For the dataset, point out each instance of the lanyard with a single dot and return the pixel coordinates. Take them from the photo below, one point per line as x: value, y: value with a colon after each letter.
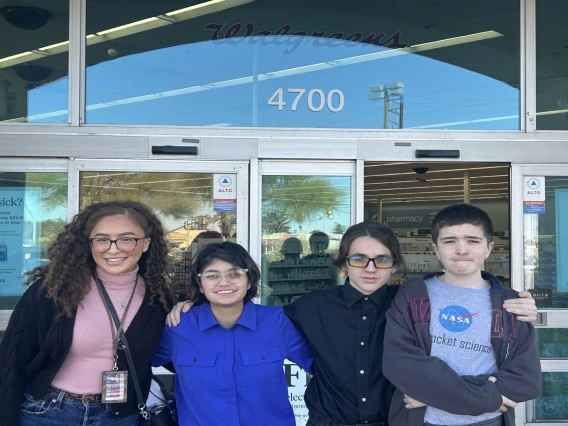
x: 115, y: 334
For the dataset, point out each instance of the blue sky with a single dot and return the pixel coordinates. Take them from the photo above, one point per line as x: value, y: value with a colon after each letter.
x: 436, y: 93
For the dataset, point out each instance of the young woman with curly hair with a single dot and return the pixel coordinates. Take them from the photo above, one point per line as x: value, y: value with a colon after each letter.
x: 60, y: 338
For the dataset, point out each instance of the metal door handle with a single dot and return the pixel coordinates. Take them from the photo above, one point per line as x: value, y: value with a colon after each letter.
x: 541, y: 319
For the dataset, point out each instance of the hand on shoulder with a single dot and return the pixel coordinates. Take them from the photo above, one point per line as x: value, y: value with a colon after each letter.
x: 174, y: 317
x: 524, y: 306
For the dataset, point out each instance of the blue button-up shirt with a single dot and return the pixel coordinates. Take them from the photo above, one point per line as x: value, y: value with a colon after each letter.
x: 233, y: 377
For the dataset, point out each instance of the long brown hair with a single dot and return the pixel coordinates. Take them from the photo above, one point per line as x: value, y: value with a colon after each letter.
x: 66, y: 278
x: 379, y: 232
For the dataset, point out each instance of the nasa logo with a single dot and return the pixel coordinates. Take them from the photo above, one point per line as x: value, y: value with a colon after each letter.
x: 456, y: 318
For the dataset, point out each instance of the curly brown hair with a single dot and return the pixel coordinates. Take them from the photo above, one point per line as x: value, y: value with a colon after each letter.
x: 66, y: 278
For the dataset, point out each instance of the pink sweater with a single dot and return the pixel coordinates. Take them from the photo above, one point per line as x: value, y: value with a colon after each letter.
x: 92, y: 349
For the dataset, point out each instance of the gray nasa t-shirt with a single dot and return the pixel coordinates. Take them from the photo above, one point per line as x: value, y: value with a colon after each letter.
x: 461, y: 336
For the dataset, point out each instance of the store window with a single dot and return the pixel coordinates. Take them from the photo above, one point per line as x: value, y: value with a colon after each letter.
x: 303, y: 221
x: 545, y: 242
x: 33, y: 211
x: 552, y: 343
x: 34, y: 61
x: 551, y: 63
x: 407, y: 196
x: 184, y: 203
x: 242, y: 63
x: 552, y: 404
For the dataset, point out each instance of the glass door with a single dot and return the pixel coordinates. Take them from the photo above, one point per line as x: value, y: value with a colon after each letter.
x: 33, y: 210
x: 540, y: 212
x: 304, y: 210
x: 197, y: 202
x: 299, y: 213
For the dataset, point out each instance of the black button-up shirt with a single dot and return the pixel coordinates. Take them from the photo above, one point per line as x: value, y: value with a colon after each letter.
x: 345, y: 331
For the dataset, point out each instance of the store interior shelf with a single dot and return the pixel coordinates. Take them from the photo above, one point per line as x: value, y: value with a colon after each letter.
x: 272, y: 280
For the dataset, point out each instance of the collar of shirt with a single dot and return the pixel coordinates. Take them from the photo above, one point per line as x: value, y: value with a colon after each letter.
x: 352, y: 295
x: 247, y: 318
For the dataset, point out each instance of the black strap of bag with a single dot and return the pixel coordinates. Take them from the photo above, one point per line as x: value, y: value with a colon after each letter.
x: 166, y: 417
x: 168, y: 396
x: 123, y: 344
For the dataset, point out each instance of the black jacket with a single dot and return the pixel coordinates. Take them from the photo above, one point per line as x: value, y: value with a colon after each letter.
x: 407, y: 364
x: 36, y: 343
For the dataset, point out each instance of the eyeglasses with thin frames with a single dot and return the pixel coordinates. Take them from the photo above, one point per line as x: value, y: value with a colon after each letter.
x: 234, y: 276
x: 380, y: 262
x: 124, y: 244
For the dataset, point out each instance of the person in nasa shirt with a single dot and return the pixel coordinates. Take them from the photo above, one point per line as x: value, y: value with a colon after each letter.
x: 455, y: 356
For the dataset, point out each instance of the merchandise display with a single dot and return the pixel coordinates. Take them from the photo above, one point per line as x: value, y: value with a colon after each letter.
x: 421, y: 259
x: 291, y: 277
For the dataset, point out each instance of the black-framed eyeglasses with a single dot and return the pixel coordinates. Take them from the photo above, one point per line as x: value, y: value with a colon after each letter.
x: 381, y: 262
x: 124, y: 244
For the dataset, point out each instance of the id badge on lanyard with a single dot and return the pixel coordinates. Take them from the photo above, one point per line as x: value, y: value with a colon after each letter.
x: 115, y: 386
x: 115, y: 382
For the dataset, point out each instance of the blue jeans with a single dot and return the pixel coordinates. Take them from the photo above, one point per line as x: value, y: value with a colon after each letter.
x: 53, y: 409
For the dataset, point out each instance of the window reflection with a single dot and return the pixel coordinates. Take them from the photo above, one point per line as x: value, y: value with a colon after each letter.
x: 184, y: 202
x: 551, y: 57
x: 552, y: 342
x: 552, y: 404
x: 251, y: 63
x: 33, y: 61
x: 303, y: 221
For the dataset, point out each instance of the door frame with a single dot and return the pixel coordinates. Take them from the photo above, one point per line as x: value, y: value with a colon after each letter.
x: 555, y: 318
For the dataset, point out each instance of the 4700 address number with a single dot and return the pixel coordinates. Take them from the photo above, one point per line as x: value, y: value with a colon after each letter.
x: 316, y: 98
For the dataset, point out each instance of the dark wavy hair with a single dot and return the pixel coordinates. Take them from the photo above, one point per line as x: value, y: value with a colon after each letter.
x: 66, y: 277
x: 379, y: 232
x: 232, y: 253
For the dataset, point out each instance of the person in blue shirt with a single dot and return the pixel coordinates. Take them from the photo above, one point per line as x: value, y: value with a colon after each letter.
x: 229, y: 352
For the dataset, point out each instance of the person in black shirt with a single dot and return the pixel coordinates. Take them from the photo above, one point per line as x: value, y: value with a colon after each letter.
x: 345, y: 326
x: 345, y: 329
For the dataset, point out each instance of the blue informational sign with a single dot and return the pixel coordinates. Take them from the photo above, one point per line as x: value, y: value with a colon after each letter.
x: 561, y: 239
x: 534, y: 207
x: 225, y: 207
x: 12, y: 205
